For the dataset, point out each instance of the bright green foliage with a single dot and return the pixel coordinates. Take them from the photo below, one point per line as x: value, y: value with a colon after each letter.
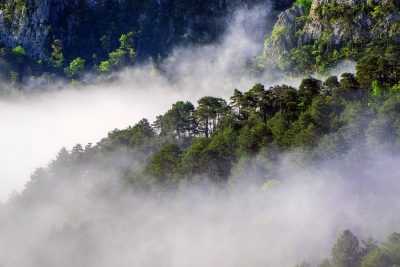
x: 299, y: 50
x: 306, y: 4
x: 124, y: 55
x: 19, y: 51
x: 76, y: 67
x: 105, y: 66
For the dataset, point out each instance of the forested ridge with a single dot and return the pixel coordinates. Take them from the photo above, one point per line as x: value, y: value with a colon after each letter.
x: 325, y: 118
x: 217, y: 140
x: 237, y: 142
x: 349, y: 251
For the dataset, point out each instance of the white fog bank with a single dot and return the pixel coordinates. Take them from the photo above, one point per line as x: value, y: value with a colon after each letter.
x: 35, y: 126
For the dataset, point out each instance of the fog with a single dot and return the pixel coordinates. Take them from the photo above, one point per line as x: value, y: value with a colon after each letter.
x: 40, y: 120
x: 35, y: 124
x: 94, y: 220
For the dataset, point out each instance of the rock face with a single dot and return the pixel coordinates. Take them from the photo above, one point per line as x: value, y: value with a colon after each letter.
x: 331, y: 29
x: 90, y: 28
x: 283, y: 37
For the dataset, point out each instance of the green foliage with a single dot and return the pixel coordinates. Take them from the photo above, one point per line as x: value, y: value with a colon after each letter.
x: 208, y: 139
x: 376, y: 258
x: 163, y: 164
x: 337, y: 38
x: 306, y: 4
x: 209, y: 113
x: 277, y: 32
x: 12, y: 9
x: 124, y: 55
x: 346, y: 252
x: 57, y: 56
x: 178, y: 122
x: 76, y: 67
x: 19, y: 51
x: 104, y: 67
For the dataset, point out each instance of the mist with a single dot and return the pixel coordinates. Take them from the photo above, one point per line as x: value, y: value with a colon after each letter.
x: 39, y: 121
x: 95, y: 220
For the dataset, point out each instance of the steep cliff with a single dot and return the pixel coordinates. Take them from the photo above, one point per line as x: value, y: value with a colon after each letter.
x: 331, y: 30
x: 91, y: 28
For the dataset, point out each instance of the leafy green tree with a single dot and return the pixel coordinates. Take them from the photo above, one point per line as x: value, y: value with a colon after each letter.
x: 330, y: 85
x: 194, y: 158
x: 220, y: 154
x: 105, y: 66
x: 163, y: 165
x: 346, y: 252
x: 392, y: 248
x: 237, y: 103
x: 124, y: 55
x: 209, y: 113
x: 350, y: 89
x: 140, y: 135
x: 379, y: 65
x: 19, y: 51
x: 253, y: 136
x: 376, y: 258
x: 309, y: 88
x: 179, y: 121
x: 284, y: 99
x: 75, y: 68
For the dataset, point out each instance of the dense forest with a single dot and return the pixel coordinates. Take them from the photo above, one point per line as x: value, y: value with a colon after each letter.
x: 216, y: 141
x: 348, y: 251
x: 224, y: 143
x: 325, y: 118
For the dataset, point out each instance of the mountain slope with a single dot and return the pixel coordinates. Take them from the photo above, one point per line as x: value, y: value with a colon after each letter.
x: 88, y: 28
x: 315, y: 37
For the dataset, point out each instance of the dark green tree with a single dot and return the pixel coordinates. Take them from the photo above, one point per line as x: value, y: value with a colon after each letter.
x: 209, y: 113
x: 346, y: 252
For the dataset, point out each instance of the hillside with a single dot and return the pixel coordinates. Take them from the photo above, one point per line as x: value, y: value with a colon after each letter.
x: 54, y: 33
x: 315, y: 35
x: 304, y: 171
x: 324, y: 153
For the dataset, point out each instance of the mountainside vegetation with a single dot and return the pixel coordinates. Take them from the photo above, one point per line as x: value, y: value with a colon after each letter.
x: 218, y: 142
x: 348, y: 251
x: 314, y: 36
x: 324, y: 118
x: 56, y: 35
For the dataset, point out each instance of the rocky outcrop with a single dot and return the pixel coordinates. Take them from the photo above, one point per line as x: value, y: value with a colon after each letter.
x: 283, y: 37
x: 332, y: 29
x: 90, y: 28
